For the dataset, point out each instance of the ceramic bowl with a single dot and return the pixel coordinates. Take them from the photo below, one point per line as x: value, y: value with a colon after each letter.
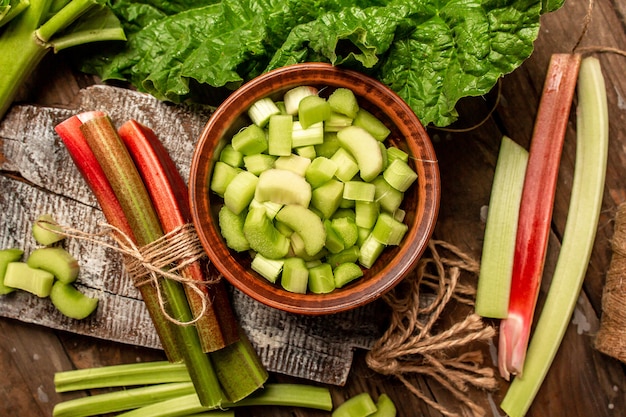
x: 421, y: 201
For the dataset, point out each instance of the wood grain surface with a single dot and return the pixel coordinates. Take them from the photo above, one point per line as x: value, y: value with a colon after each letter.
x: 582, y: 382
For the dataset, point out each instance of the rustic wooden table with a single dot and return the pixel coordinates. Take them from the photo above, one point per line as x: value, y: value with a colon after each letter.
x: 582, y: 381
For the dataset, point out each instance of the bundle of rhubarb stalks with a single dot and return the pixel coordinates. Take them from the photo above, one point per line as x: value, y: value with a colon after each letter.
x: 518, y: 226
x: 144, y: 200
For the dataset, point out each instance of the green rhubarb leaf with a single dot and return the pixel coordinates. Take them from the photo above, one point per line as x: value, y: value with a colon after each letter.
x: 352, y: 36
x: 460, y: 50
x: 431, y: 52
x: 137, y: 15
x: 551, y: 5
x: 165, y: 75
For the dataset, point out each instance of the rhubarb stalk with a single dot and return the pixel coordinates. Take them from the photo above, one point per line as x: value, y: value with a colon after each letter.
x: 128, y: 186
x: 28, y: 37
x: 237, y: 364
x: 592, y: 130
x: 536, y: 210
x: 89, y: 167
x: 278, y: 394
x: 9, y: 10
x: 122, y: 400
x: 215, y: 321
x: 142, y: 373
x: 494, y: 281
x: 178, y: 399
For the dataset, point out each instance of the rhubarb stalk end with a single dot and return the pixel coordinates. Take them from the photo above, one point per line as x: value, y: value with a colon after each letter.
x: 512, y: 346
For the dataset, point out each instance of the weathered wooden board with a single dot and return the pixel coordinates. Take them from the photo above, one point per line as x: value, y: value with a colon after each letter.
x: 46, y: 181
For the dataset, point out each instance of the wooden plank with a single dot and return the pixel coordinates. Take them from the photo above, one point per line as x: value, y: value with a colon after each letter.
x: 316, y: 351
x: 121, y: 314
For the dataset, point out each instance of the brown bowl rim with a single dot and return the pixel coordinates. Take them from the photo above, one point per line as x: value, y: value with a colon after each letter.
x: 361, y: 292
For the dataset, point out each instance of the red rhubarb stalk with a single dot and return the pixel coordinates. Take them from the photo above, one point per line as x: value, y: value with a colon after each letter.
x: 536, y: 210
x: 217, y: 326
x: 120, y: 170
x: 89, y: 167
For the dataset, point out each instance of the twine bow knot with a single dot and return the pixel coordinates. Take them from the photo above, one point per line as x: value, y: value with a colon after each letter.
x: 164, y: 258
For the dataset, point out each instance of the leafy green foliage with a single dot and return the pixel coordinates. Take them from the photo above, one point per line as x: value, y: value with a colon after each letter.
x: 431, y: 52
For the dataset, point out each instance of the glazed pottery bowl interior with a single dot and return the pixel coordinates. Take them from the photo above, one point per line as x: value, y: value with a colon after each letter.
x: 421, y: 200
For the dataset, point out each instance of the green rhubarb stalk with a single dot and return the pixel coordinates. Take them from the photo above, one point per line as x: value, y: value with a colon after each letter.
x: 494, y: 281
x: 578, y: 238
x: 146, y: 373
x: 20, y: 52
x: 385, y: 407
x: 9, y: 9
x: 63, y: 18
x: 126, y: 182
x: 121, y: 400
x: 118, y: 167
x: 290, y: 395
x: 178, y: 399
x: 28, y: 37
x: 360, y: 405
x: 6, y: 257
x: 239, y: 369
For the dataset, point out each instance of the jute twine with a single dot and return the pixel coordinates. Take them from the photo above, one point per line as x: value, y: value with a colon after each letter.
x: 411, y: 345
x: 164, y: 258
x: 611, y: 338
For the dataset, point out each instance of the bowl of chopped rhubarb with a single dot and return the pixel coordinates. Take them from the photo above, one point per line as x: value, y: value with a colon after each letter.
x: 314, y: 189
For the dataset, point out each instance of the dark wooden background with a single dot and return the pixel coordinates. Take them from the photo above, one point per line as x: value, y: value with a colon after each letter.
x: 581, y: 383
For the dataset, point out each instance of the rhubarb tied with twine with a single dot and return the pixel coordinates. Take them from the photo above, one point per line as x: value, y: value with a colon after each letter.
x: 411, y: 345
x: 146, y: 265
